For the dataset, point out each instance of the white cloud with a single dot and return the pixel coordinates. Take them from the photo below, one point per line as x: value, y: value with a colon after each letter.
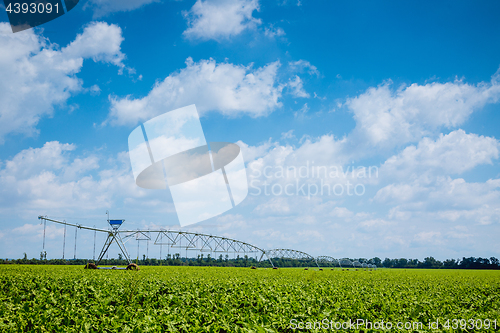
x: 104, y: 7
x: 387, y: 118
x: 303, y: 66
x: 288, y: 135
x: 483, y: 215
x: 311, y: 235
x: 225, y: 88
x: 273, y: 32
x: 374, y: 224
x: 342, y: 212
x: 420, y: 196
x: 95, y: 90
x: 428, y: 237
x: 421, y: 184
x: 444, y: 198
x: 100, y: 42
x: 35, y: 231
x: 453, y: 153
x: 52, y: 156
x: 220, y: 19
x: 273, y: 206
x: 50, y: 179
x: 302, y: 113
x: 36, y: 75
x: 411, y: 177
x: 449, y: 192
x: 296, y: 87
x: 251, y: 153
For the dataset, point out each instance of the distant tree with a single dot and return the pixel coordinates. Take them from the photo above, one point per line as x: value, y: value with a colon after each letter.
x: 387, y: 263
x: 413, y: 263
x: 494, y: 261
x: 449, y: 263
x: 401, y: 263
x: 376, y: 261
x: 430, y: 262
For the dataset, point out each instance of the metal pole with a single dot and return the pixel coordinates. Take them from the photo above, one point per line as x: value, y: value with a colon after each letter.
x: 44, y: 226
x: 64, y: 240
x: 104, y: 249
x: 93, y: 256
x: 76, y: 231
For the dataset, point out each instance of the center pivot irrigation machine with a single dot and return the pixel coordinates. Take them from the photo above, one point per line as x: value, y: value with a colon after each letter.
x: 171, y: 238
x: 191, y: 241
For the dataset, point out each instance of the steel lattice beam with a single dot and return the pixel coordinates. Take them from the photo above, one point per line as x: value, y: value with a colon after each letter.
x: 328, y: 259
x: 173, y: 238
x: 346, y: 262
x: 288, y: 254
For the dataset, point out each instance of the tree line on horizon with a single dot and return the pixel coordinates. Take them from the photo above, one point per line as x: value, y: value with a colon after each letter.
x: 246, y: 261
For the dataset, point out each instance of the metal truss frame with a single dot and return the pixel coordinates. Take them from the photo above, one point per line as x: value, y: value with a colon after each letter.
x: 346, y: 262
x: 172, y: 238
x: 114, y: 235
x: 288, y: 254
x: 327, y: 259
x: 200, y: 242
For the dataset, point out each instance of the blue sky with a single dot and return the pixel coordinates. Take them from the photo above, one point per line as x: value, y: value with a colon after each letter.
x: 410, y: 88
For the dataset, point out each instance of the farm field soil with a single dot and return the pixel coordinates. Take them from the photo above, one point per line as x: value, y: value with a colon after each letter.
x: 213, y: 299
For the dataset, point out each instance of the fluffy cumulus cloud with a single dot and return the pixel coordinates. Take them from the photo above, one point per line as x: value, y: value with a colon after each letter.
x: 104, y: 7
x: 37, y: 75
x: 418, y: 175
x: 444, y: 203
x: 418, y: 180
x: 413, y: 116
x: 273, y: 32
x: 386, y: 117
x: 453, y: 153
x: 51, y: 178
x: 414, y: 182
x: 220, y: 19
x: 413, y: 202
x: 296, y: 87
x: 302, y: 66
x: 56, y: 180
x: 224, y: 87
x: 99, y: 41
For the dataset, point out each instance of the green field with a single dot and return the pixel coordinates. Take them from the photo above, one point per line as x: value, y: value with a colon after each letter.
x: 211, y: 299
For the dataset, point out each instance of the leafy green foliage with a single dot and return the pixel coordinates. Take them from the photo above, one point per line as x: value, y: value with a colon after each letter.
x: 214, y: 299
